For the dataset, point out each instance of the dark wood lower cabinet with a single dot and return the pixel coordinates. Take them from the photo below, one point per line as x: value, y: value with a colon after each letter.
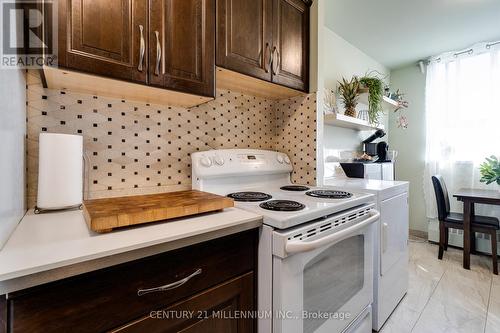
x: 108, y: 299
x: 3, y: 314
x: 216, y: 310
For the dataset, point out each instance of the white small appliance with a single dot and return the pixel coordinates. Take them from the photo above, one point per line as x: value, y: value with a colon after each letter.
x: 390, y: 278
x: 315, y: 269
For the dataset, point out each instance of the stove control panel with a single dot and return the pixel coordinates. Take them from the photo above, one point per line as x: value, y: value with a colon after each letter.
x: 225, y: 162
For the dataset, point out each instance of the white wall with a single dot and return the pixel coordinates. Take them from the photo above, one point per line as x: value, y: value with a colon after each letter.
x: 340, y: 59
x: 12, y: 150
x: 410, y: 142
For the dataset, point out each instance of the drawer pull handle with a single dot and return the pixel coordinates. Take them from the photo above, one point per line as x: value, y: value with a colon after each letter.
x: 170, y: 286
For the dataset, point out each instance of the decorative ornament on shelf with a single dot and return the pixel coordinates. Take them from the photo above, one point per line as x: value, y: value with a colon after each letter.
x: 402, y: 122
x: 364, y: 115
x: 490, y: 171
x: 349, y: 95
x: 329, y: 101
x: 398, y: 96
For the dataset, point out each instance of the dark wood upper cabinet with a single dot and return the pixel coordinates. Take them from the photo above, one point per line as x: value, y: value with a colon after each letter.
x: 291, y: 44
x: 244, y: 36
x: 182, y: 45
x: 164, y: 43
x: 266, y: 39
x: 105, y: 37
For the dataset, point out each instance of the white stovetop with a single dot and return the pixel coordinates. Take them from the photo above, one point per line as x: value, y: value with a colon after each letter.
x: 314, y: 207
x: 53, y: 240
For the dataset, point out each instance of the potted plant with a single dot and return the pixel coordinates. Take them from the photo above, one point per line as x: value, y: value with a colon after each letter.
x: 490, y: 171
x: 349, y: 95
x: 375, y: 96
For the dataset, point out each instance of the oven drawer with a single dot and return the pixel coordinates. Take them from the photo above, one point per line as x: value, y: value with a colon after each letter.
x: 106, y: 299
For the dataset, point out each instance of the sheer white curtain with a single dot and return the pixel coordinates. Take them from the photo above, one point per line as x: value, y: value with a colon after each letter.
x: 463, y: 120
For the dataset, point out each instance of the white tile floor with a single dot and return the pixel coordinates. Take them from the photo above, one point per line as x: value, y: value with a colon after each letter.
x: 444, y: 297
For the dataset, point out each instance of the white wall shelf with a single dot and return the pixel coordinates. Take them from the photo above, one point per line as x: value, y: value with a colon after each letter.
x: 341, y: 120
x: 387, y: 103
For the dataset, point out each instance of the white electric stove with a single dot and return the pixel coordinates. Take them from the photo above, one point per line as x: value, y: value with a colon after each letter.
x: 315, y: 248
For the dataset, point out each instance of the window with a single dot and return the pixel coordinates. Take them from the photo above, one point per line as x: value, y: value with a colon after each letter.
x: 462, y: 117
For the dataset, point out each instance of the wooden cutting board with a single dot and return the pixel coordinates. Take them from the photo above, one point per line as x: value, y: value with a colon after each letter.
x: 103, y: 215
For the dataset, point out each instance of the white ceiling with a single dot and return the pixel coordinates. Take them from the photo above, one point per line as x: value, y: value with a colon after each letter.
x: 397, y: 33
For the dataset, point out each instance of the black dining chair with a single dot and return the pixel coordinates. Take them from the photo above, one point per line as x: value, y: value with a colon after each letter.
x: 483, y: 224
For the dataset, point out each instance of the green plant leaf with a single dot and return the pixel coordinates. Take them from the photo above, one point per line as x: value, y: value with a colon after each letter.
x: 490, y: 170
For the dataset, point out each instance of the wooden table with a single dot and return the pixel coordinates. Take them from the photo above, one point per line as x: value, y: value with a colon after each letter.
x: 470, y: 197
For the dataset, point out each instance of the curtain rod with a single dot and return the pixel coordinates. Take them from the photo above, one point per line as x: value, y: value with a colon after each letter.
x: 489, y: 45
x: 456, y: 54
x: 469, y: 51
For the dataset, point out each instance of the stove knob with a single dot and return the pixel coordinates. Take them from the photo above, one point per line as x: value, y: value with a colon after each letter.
x: 218, y: 160
x: 206, y: 162
x: 280, y: 159
x: 287, y: 160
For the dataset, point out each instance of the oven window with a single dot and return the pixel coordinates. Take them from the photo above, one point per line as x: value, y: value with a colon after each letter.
x: 332, y: 278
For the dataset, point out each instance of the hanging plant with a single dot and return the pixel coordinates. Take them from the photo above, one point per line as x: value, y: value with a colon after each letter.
x: 375, y: 87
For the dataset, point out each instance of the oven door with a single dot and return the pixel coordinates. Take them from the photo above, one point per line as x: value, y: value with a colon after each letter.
x: 324, y: 284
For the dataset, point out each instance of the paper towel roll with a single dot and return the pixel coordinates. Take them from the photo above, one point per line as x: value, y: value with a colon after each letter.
x: 60, y: 171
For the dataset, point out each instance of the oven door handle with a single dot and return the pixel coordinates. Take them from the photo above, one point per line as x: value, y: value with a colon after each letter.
x: 295, y: 246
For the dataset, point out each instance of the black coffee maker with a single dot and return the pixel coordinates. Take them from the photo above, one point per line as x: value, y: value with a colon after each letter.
x: 376, y: 149
x: 382, y: 148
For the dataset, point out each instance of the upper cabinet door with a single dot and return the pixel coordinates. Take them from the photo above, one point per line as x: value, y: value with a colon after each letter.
x: 105, y: 37
x: 182, y: 45
x: 291, y: 44
x: 244, y: 36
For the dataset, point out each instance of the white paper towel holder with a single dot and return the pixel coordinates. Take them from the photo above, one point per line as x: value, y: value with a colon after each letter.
x: 79, y: 205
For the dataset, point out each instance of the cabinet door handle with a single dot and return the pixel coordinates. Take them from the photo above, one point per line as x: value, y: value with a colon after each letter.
x: 385, y: 226
x: 142, y: 48
x: 169, y: 286
x: 158, y: 53
x: 270, y: 62
x: 278, y: 61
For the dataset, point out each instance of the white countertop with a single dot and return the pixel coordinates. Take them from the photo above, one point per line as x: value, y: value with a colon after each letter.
x: 367, y: 184
x: 50, y: 241
x: 383, y: 188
